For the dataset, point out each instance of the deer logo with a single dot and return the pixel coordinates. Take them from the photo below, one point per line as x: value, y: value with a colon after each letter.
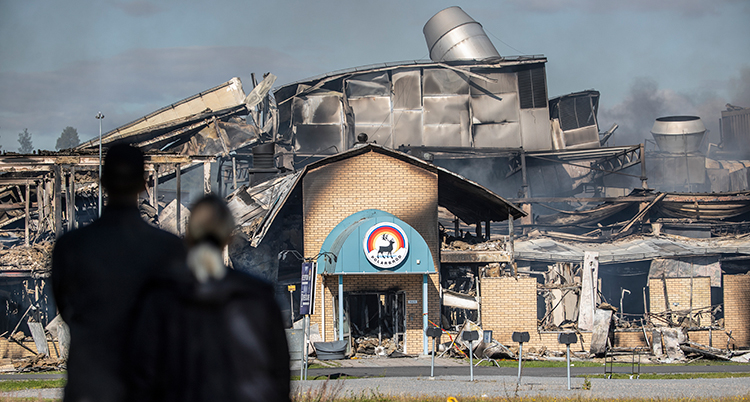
x: 385, y: 245
x: 386, y: 250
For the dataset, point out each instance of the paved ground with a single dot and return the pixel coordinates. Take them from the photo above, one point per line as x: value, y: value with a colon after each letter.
x: 410, y: 376
x: 505, y: 386
x: 420, y: 367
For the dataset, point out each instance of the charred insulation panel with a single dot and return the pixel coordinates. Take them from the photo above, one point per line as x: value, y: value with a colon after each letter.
x: 470, y: 104
x: 576, y: 116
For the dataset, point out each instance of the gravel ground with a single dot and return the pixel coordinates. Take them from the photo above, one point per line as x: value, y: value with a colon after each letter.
x: 504, y: 386
x: 45, y: 393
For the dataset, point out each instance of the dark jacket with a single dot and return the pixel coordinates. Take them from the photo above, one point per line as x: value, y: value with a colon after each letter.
x: 98, y: 272
x: 223, y: 340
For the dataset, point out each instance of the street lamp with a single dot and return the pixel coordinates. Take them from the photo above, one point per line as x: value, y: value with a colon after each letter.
x: 99, y: 116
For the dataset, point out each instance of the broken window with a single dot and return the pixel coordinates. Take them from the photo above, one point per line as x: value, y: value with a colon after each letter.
x: 461, y: 281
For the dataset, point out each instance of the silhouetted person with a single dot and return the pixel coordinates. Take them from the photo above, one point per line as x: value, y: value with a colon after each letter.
x: 219, y: 337
x: 98, y: 274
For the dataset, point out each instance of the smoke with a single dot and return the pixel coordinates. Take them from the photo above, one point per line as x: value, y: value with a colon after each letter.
x: 645, y: 102
x: 740, y: 88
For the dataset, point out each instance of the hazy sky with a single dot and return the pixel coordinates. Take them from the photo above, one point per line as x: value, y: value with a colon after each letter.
x: 62, y: 62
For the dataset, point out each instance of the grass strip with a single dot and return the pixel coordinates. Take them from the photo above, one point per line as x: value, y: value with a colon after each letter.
x: 545, y: 363
x: 668, y: 376
x: 17, y: 385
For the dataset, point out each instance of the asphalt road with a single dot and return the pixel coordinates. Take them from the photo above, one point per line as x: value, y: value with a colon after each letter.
x: 424, y: 371
x: 441, y: 371
x: 492, y: 382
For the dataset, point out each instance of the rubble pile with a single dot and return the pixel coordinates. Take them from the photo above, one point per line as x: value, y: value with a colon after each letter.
x: 471, y: 242
x: 371, y: 346
x: 36, y: 258
x: 40, y: 362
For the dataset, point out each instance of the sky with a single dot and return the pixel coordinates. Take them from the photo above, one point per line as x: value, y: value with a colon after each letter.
x: 62, y: 62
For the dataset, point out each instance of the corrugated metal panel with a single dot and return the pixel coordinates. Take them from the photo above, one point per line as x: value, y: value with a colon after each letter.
x: 494, y: 108
x: 633, y: 249
x: 371, y: 84
x: 535, y: 129
x: 504, y: 135
x: 407, y: 89
x: 312, y: 109
x: 442, y: 81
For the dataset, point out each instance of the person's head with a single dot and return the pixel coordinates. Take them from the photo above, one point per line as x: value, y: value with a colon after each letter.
x: 209, y: 231
x: 123, y: 175
x: 210, y: 222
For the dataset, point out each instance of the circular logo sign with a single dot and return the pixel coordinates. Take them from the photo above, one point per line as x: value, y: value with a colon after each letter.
x: 386, y: 245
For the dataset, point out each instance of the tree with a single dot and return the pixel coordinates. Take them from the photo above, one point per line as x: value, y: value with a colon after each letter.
x: 68, y: 139
x: 24, y: 139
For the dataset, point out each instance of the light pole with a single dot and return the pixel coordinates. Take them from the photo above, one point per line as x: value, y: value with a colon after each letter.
x: 99, y: 116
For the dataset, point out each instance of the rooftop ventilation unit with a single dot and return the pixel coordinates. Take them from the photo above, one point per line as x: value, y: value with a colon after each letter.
x: 452, y: 35
x: 678, y: 134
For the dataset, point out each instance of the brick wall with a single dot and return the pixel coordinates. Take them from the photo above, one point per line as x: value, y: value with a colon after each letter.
x: 633, y: 339
x: 737, y: 308
x: 369, y: 181
x: 373, y: 181
x: 509, y: 305
x: 10, y: 351
x: 678, y: 291
x: 411, y: 284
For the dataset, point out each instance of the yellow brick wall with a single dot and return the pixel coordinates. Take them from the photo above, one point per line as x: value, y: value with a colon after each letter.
x: 678, y: 291
x: 509, y: 305
x: 411, y: 284
x: 372, y: 180
x: 369, y: 181
x: 715, y: 338
x: 737, y: 308
x: 10, y: 350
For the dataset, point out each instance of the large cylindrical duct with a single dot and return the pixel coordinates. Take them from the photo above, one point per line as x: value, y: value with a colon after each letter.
x: 452, y: 35
x: 678, y: 134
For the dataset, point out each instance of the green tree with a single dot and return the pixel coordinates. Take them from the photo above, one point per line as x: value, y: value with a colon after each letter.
x: 24, y: 139
x: 68, y: 139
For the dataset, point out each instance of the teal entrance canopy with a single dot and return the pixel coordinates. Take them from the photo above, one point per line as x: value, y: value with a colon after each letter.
x: 374, y: 242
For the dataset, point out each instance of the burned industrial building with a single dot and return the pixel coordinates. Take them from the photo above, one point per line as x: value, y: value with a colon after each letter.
x: 451, y: 192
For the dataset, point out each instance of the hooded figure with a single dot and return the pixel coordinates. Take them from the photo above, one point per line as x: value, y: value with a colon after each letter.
x: 216, y: 337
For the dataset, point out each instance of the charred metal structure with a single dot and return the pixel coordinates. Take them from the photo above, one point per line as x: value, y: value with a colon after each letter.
x: 476, y: 142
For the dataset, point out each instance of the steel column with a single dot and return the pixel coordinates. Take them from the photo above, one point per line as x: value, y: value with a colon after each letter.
x: 341, y: 308
x: 425, y: 341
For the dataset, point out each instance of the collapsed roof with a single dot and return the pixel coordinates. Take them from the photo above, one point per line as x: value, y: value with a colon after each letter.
x: 256, y: 207
x: 207, y: 123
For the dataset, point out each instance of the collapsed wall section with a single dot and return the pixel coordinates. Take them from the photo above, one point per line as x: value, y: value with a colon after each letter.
x: 683, y: 295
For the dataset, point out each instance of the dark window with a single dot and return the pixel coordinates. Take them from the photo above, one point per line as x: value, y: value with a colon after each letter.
x: 576, y: 112
x: 532, y: 88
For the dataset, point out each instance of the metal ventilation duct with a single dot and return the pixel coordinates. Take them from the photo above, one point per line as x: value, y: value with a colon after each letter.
x: 452, y: 35
x: 678, y: 134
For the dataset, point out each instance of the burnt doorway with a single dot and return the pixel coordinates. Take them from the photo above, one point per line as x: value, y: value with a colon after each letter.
x: 377, y: 320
